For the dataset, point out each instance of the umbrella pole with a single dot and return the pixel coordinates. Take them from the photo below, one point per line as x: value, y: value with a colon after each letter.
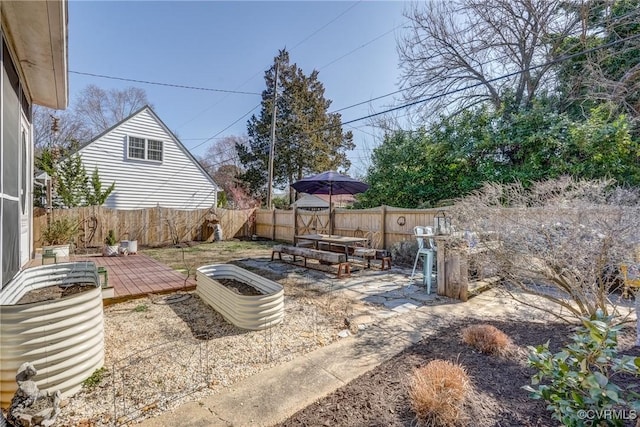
x: 330, y: 213
x: 330, y: 208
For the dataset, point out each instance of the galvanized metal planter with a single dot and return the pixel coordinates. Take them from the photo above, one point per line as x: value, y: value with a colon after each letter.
x: 63, y: 338
x: 247, y: 312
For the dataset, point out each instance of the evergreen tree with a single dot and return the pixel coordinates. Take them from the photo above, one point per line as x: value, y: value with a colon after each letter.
x: 457, y: 154
x: 95, y: 196
x: 72, y: 182
x: 309, y: 139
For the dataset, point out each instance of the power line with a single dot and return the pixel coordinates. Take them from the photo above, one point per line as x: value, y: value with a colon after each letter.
x: 236, y: 121
x: 361, y: 46
x: 557, y: 60
x: 298, y: 44
x: 165, y: 84
x: 481, y: 64
x: 580, y: 53
x: 441, y: 95
x: 327, y: 24
x: 431, y: 98
x: 182, y: 86
x: 434, y: 97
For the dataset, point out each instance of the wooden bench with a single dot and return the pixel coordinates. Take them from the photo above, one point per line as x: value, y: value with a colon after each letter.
x: 322, y: 256
x: 385, y: 257
x: 306, y: 244
x: 381, y: 255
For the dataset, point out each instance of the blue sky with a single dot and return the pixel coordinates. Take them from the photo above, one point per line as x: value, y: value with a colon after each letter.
x: 229, y: 45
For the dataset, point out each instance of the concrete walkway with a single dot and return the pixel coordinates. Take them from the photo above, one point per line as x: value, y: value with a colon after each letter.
x: 275, y: 394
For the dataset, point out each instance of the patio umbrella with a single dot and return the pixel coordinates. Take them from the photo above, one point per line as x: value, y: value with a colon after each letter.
x: 330, y: 183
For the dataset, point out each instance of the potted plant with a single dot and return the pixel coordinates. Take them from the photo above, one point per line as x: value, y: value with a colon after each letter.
x: 111, y: 245
x: 131, y: 244
x: 58, y: 235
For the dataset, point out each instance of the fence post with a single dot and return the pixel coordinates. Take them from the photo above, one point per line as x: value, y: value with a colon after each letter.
x: 383, y: 225
x: 295, y: 224
x: 273, y: 224
x: 159, y: 236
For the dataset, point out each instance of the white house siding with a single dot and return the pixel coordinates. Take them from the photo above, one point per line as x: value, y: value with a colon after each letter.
x: 178, y: 182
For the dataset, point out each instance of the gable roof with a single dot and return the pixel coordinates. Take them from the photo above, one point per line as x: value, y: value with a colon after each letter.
x: 164, y: 127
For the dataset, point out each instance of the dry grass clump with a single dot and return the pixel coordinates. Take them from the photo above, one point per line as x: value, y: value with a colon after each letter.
x: 437, y: 392
x: 487, y: 339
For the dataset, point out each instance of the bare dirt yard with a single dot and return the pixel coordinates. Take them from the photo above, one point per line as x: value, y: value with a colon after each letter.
x: 164, y: 350
x: 380, y: 397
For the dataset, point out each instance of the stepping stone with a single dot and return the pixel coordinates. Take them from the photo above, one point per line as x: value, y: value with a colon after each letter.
x: 411, y: 289
x: 362, y: 320
x: 375, y: 299
x: 405, y: 292
x: 280, y: 268
x: 369, y: 290
x: 423, y: 296
x: 396, y: 293
x: 401, y: 305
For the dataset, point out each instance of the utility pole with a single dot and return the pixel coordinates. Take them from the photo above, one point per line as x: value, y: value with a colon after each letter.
x: 273, y: 137
x: 49, y: 207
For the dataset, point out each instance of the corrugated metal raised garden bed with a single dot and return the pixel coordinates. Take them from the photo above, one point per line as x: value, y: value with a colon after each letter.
x: 52, y: 317
x: 261, y: 310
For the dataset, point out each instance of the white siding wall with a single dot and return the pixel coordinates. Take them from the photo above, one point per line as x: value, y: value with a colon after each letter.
x: 177, y: 182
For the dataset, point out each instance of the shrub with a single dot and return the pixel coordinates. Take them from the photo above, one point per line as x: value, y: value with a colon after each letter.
x: 110, y: 240
x: 404, y: 253
x: 555, y: 239
x: 487, y: 339
x: 60, y: 231
x: 579, y: 378
x: 437, y: 392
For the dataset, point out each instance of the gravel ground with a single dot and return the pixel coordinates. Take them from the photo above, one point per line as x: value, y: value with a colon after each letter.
x: 162, y: 351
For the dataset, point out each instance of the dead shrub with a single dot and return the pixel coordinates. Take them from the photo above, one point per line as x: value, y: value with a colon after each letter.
x: 437, y: 392
x: 487, y: 339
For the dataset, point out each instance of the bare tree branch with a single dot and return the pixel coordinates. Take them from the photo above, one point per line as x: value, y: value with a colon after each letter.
x: 451, y: 46
x: 99, y: 108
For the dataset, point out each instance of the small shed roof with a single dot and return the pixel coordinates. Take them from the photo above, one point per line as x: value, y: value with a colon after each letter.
x: 321, y: 201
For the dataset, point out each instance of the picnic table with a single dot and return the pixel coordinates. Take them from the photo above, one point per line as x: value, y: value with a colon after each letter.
x: 325, y: 257
x: 344, y: 242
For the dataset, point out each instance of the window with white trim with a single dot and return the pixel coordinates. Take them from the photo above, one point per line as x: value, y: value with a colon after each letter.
x: 144, y: 149
x: 154, y: 150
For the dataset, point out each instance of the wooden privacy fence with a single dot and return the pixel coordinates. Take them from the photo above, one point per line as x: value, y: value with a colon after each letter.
x: 395, y: 224
x: 150, y: 227
x: 164, y: 226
